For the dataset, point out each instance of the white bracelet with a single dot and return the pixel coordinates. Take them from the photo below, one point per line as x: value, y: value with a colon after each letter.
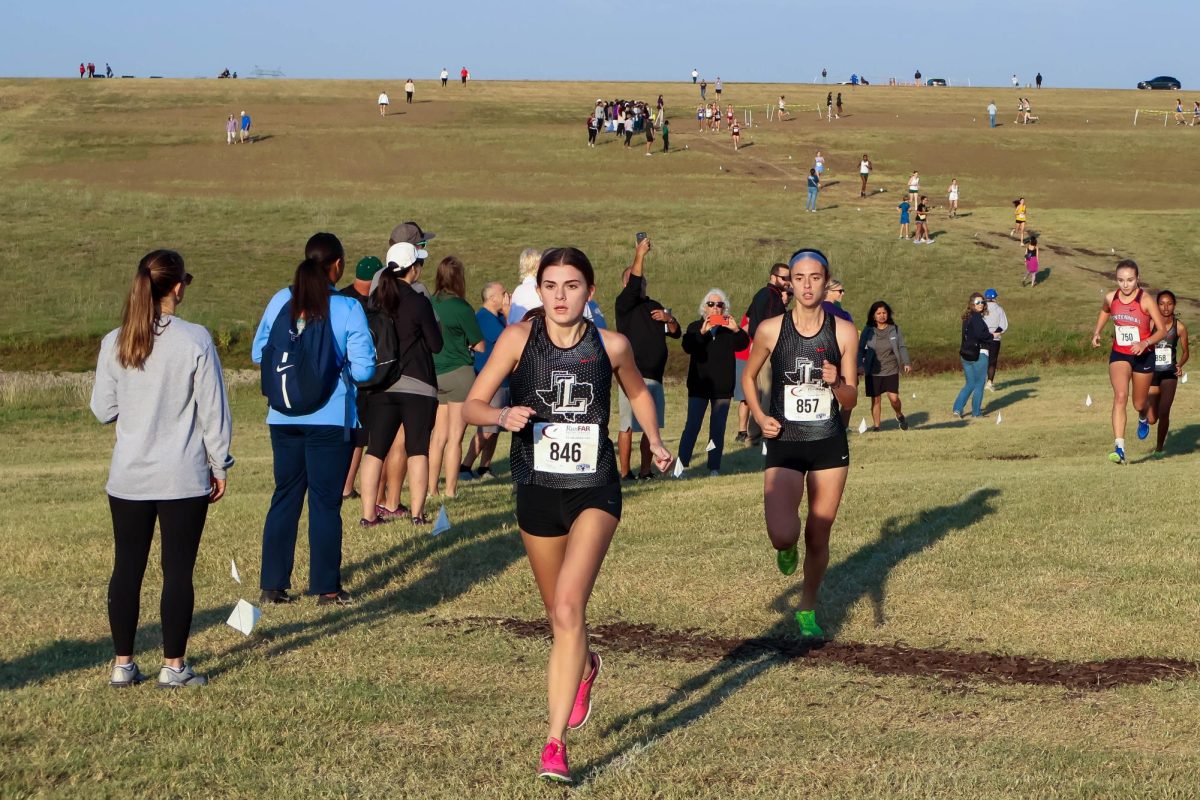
x: 503, y: 413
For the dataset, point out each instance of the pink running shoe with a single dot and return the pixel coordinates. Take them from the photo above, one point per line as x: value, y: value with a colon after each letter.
x: 583, y: 700
x: 554, y: 762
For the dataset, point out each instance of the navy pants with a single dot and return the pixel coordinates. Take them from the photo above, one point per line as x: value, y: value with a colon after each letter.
x: 716, y: 429
x: 310, y: 459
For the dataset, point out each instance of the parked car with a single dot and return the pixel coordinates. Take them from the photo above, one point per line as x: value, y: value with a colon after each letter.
x: 1161, y: 82
x: 936, y: 82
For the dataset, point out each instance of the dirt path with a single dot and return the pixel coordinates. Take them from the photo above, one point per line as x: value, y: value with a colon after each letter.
x: 895, y: 659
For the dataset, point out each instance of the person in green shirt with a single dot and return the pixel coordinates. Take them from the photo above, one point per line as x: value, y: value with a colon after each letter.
x: 455, y: 367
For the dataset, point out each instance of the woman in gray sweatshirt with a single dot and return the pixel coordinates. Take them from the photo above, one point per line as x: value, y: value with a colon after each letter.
x: 159, y: 379
x: 882, y: 355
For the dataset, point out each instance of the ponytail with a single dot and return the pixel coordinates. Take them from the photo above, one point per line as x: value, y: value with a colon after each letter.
x: 310, y: 286
x: 157, y: 274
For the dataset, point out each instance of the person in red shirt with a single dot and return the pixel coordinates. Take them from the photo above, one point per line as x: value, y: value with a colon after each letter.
x: 464, y: 75
x: 82, y: 69
x: 1134, y: 315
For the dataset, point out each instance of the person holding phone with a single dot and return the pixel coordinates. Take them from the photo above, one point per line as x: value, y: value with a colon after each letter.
x: 712, y: 342
x: 813, y: 358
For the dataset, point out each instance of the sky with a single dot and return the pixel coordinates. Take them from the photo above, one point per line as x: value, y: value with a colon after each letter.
x: 1071, y: 42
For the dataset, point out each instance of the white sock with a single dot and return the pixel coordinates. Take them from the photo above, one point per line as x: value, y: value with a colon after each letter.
x: 1120, y: 444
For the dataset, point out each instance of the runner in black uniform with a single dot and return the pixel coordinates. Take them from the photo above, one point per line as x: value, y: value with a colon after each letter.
x: 814, y: 377
x: 568, y: 489
x: 1170, y: 354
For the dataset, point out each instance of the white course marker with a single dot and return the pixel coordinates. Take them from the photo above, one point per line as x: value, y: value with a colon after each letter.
x: 1088, y: 401
x: 678, y: 471
x: 233, y: 571
x: 764, y: 448
x: 999, y: 417
x: 711, y: 446
x: 862, y: 426
x: 244, y: 617
x: 1184, y: 378
x: 442, y: 523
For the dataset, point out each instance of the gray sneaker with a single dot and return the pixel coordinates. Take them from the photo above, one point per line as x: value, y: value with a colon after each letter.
x: 182, y: 678
x: 124, y: 675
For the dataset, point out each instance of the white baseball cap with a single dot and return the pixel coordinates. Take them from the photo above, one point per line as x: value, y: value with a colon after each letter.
x: 403, y: 255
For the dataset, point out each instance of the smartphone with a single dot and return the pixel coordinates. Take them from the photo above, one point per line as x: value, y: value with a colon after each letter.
x: 716, y: 320
x: 640, y: 236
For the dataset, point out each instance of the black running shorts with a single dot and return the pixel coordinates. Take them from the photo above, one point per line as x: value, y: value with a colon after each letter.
x: 822, y: 454
x: 542, y: 511
x: 1142, y: 363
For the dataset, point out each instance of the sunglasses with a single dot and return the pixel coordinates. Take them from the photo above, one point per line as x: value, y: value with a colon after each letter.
x: 711, y: 304
x: 786, y: 277
x: 187, y: 279
x: 838, y: 291
x: 977, y: 302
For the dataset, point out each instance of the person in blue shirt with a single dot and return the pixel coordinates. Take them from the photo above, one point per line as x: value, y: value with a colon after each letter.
x: 814, y: 186
x: 493, y: 319
x: 245, y: 126
x: 311, y: 452
x: 904, y: 208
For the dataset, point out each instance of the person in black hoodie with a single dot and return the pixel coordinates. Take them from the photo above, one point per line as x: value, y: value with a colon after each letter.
x: 647, y: 325
x: 711, y: 341
x: 974, y: 355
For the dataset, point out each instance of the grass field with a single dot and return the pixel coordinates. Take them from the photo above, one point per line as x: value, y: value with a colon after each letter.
x: 1017, y: 542
x: 1012, y: 615
x: 97, y: 173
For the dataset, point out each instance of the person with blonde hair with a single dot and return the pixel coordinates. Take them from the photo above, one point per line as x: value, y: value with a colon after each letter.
x: 525, y: 296
x: 711, y: 341
x: 159, y: 379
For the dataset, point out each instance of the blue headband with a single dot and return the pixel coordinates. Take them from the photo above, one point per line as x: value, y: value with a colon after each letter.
x: 816, y: 255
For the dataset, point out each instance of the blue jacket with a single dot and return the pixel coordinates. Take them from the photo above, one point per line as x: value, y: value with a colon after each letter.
x: 353, y: 340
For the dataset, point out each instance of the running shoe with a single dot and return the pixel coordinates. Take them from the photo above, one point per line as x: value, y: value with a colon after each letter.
x: 1117, y: 456
x: 125, y: 675
x: 786, y: 560
x: 649, y: 476
x: 809, y: 629
x: 629, y: 476
x: 903, y: 422
x: 182, y: 678
x: 1158, y: 454
x: 465, y: 474
x: 554, y: 762
x: 714, y: 473
x: 1143, y: 429
x: 419, y: 520
x: 741, y: 436
x: 583, y: 698
x: 388, y: 514
x: 989, y: 386
x: 363, y: 522
x: 956, y: 414
x: 485, y: 474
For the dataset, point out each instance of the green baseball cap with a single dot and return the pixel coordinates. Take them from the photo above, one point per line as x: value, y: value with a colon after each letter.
x: 367, y: 267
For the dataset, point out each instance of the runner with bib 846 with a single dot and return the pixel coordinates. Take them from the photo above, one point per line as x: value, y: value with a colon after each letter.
x: 568, y: 490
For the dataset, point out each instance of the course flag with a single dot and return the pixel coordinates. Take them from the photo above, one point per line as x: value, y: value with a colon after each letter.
x: 711, y: 446
x: 678, y: 471
x: 233, y: 572
x: 441, y: 524
x: 862, y: 426
x: 999, y: 417
x: 244, y: 617
x: 1088, y: 401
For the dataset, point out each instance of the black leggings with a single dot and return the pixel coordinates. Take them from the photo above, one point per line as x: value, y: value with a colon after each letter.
x: 591, y: 135
x: 182, y: 523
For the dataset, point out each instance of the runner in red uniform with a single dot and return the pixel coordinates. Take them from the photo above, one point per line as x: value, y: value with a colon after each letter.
x: 1134, y: 315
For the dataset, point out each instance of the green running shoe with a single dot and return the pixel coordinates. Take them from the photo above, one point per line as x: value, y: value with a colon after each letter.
x: 787, y: 560
x: 809, y: 629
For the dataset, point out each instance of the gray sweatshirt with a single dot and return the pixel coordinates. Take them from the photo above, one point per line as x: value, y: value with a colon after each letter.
x: 173, y: 422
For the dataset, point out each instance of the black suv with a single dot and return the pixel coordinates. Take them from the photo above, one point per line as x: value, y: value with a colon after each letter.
x: 1161, y: 82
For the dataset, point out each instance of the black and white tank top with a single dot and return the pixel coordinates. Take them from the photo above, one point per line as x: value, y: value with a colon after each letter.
x: 800, y: 400
x: 566, y: 444
x: 1164, y: 351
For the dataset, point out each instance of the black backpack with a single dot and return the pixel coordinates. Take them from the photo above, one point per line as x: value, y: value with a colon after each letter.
x: 388, y: 366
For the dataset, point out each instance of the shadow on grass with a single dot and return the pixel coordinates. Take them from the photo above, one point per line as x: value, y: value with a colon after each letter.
x: 1010, y: 398
x: 1028, y: 379
x: 1182, y: 442
x: 862, y: 575
x: 471, y: 552
x: 1042, y: 276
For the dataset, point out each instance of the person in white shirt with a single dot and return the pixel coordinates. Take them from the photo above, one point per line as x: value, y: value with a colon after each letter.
x: 409, y: 88
x: 383, y: 104
x: 695, y: 75
x: 914, y: 187
x: 1016, y: 82
x: 991, y: 109
x: 953, y: 197
x: 525, y: 297
x: 445, y: 76
x: 997, y: 322
x: 864, y: 172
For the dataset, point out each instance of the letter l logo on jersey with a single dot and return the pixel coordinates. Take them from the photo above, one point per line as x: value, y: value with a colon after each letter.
x: 568, y: 397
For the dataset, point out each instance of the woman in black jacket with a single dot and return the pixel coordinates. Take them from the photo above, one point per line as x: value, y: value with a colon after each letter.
x: 400, y: 417
x: 711, y: 342
x: 974, y: 355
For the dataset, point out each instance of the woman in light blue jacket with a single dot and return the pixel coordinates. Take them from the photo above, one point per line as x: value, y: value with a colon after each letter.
x: 311, y: 452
